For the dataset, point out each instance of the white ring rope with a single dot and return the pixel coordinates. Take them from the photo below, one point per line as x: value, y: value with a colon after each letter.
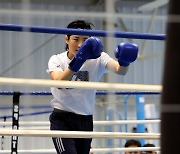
x: 79, y: 84
x: 77, y: 134
x: 115, y: 122
x: 28, y: 128
x: 92, y: 150
x: 78, y: 14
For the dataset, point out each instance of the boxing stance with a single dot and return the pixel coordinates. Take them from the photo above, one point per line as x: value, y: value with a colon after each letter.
x: 84, y: 60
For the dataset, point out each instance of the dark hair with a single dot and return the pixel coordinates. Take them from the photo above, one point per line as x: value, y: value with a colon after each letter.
x: 82, y: 24
x: 148, y: 145
x: 132, y: 142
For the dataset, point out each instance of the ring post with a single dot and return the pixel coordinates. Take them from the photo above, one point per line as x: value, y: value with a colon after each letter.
x: 15, y: 122
x: 140, y: 115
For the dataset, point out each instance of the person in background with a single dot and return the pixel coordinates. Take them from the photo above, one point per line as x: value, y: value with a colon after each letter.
x: 132, y: 144
x: 149, y: 145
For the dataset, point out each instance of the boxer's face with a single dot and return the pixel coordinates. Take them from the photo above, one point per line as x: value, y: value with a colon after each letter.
x: 74, y: 42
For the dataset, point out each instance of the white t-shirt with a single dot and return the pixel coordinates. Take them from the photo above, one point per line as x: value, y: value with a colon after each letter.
x: 79, y: 101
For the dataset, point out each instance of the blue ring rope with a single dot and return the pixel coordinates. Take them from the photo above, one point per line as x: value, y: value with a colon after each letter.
x: 101, y: 33
x: 46, y: 112
x: 46, y: 93
x: 27, y: 114
x: 8, y: 107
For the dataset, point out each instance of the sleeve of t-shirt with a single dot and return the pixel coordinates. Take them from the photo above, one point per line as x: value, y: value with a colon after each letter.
x: 54, y: 64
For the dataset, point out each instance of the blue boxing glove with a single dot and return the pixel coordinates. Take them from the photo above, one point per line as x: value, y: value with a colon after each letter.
x: 126, y: 53
x: 90, y: 49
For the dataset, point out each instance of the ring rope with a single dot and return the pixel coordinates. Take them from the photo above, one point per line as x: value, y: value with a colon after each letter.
x: 77, y: 14
x: 102, y: 92
x: 92, y: 150
x: 27, y: 114
x: 78, y: 134
x: 79, y: 84
x: 101, y: 33
x: 9, y: 107
x: 115, y: 122
x: 29, y: 128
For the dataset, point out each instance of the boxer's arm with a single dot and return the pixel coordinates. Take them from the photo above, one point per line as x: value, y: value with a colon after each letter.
x: 116, y: 68
x: 59, y: 75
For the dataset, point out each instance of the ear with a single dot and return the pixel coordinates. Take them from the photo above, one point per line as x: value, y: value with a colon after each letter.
x: 66, y: 39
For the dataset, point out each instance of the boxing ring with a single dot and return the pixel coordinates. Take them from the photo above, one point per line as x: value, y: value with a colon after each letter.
x: 112, y: 88
x: 41, y: 128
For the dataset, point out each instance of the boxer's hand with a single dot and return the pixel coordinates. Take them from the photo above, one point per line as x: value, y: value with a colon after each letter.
x: 126, y: 53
